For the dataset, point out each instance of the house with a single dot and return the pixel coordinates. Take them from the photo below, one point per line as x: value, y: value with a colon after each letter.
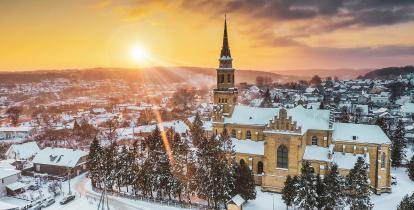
x: 60, y: 161
x: 407, y: 110
x: 18, y: 133
x: 23, y: 151
x: 236, y: 203
x: 7, y: 176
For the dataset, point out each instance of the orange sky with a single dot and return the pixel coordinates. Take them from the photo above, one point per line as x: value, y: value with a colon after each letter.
x: 50, y: 34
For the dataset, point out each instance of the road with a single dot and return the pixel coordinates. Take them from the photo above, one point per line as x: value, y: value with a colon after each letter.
x: 114, y: 203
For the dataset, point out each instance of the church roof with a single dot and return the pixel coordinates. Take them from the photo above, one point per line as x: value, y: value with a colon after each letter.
x: 225, y: 50
x: 316, y: 119
x: 246, y: 115
x: 359, y: 133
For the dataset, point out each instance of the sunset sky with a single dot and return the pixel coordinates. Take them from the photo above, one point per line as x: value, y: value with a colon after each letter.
x: 264, y: 34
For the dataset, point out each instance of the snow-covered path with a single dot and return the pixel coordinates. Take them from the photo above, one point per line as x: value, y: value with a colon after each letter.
x: 114, y: 203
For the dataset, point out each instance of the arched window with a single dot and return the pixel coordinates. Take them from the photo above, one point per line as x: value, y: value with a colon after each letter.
x: 260, y: 167
x: 282, y: 157
x: 314, y: 140
x: 383, y: 160
x: 233, y: 133
x: 248, y: 134
x: 242, y: 162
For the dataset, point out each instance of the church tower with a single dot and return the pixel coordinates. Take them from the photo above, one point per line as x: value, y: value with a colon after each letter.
x: 225, y: 95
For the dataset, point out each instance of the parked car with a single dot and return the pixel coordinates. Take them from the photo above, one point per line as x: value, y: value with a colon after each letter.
x: 36, y: 206
x: 48, y: 202
x: 33, y: 187
x: 67, y: 199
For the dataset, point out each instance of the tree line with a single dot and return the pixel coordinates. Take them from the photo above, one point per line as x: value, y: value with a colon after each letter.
x: 308, y: 191
x: 166, y: 166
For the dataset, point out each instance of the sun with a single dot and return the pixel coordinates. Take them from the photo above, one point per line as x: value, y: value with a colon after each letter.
x: 139, y: 54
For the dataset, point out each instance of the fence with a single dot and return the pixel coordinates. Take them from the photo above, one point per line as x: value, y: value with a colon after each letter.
x: 171, y: 203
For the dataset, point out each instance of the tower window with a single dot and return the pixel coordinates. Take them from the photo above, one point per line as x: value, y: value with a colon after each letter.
x: 282, y: 157
x: 221, y: 78
x: 314, y: 140
x: 228, y: 78
x: 248, y: 134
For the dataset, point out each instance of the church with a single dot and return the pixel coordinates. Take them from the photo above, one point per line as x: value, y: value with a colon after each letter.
x: 274, y: 142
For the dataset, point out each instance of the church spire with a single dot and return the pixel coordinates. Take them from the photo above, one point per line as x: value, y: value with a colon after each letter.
x: 225, y: 50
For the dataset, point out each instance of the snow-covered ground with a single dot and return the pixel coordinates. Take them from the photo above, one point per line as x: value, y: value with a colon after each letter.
x: 86, y: 199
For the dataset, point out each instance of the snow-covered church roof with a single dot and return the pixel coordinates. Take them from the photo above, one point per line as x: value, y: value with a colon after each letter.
x: 246, y: 115
x: 316, y: 119
x: 360, y: 133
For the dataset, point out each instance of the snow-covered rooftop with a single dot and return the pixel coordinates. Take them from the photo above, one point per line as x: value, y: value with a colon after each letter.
x: 361, y: 133
x: 317, y: 119
x: 347, y: 160
x: 407, y: 108
x: 16, y: 129
x: 314, y: 152
x: 6, y: 172
x: 238, y: 200
x: 246, y: 115
x: 24, y: 151
x: 248, y: 146
x: 59, y: 157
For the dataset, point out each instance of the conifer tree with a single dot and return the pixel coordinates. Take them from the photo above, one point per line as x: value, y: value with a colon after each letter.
x: 109, y: 165
x: 215, y: 171
x: 358, y: 187
x: 410, y: 168
x: 383, y: 124
x: 321, y: 192
x: 94, y: 162
x: 407, y: 203
x: 335, y: 187
x: 290, y: 191
x: 267, y: 100
x: 178, y: 166
x: 398, y: 145
x: 245, y: 185
x: 197, y: 131
x: 307, y: 196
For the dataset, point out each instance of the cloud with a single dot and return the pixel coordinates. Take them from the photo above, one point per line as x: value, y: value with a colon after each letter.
x: 389, y: 51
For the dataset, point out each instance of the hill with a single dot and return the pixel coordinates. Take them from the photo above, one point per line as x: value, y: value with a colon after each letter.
x: 155, y: 75
x: 388, y: 73
x: 340, y: 73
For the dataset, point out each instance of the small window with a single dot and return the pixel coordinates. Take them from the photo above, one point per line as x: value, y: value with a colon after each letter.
x: 383, y: 160
x: 314, y: 140
x: 233, y: 133
x: 260, y: 167
x: 248, y: 134
x: 228, y: 78
x: 242, y: 162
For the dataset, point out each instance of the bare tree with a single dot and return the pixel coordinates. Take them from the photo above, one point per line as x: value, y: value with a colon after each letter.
x: 14, y: 114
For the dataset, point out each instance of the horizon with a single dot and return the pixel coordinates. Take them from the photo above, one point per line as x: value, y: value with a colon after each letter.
x: 264, y: 36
